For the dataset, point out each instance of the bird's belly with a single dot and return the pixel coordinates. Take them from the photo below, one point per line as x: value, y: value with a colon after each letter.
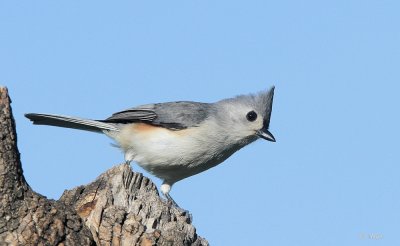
x: 172, y: 155
x: 158, y: 149
x: 173, y: 159
x: 178, y: 161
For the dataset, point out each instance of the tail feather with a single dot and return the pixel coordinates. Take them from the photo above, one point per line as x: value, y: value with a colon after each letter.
x: 70, y: 122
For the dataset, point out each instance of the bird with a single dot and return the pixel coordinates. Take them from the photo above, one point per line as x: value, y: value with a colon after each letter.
x: 175, y: 140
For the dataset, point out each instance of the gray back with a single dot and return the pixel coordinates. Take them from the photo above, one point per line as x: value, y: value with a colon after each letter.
x: 172, y: 115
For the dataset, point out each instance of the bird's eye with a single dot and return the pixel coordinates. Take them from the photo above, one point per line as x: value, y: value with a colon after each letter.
x: 251, y: 116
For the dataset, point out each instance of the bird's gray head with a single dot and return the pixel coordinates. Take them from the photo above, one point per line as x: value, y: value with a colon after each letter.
x: 247, y: 116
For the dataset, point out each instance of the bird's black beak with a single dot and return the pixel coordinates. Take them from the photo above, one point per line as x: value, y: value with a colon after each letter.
x: 264, y: 133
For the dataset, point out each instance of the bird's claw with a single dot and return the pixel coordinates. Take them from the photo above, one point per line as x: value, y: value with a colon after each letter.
x: 171, y: 201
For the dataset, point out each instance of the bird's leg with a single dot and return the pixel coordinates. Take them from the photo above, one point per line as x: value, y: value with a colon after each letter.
x: 170, y: 200
x: 165, y: 188
x: 128, y: 157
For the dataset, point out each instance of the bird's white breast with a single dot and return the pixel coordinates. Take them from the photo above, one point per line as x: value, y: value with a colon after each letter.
x: 174, y: 154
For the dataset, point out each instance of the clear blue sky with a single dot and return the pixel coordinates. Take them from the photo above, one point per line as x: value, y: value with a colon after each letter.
x: 332, y: 177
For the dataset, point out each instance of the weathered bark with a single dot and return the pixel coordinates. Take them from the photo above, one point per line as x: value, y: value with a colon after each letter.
x: 119, y: 208
x: 27, y: 218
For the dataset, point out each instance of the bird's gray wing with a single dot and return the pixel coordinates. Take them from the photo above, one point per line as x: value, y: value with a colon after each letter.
x: 171, y: 115
x: 130, y: 115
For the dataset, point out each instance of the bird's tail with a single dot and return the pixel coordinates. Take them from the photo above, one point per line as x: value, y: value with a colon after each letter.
x: 71, y: 122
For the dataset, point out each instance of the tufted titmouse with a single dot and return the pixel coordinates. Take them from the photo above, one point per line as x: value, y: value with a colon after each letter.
x: 175, y: 140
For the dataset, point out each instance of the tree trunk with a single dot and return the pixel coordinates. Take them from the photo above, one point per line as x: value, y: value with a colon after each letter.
x: 119, y: 208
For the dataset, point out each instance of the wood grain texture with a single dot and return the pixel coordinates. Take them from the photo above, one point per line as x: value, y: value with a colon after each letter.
x: 120, y: 207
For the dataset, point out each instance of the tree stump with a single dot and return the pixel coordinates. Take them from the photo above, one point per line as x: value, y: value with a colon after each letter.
x: 120, y: 207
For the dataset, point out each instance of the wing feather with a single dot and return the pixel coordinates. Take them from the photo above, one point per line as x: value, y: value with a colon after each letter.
x: 171, y: 115
x: 132, y: 115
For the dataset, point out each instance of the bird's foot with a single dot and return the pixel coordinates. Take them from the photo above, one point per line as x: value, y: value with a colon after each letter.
x: 171, y: 201
x: 183, y: 212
